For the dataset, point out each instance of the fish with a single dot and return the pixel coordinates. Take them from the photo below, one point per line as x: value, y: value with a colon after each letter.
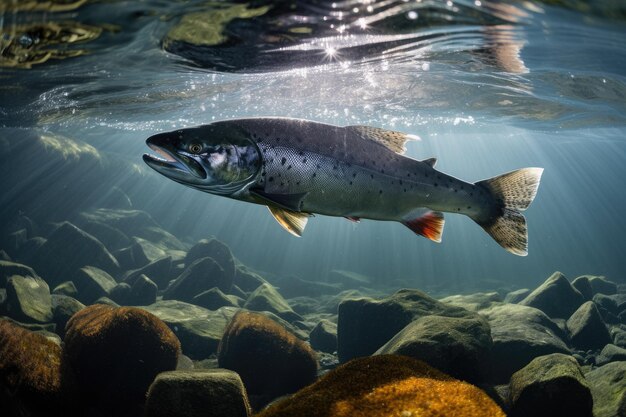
x: 299, y: 168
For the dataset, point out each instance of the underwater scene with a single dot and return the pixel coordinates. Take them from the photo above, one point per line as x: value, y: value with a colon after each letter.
x: 392, y: 208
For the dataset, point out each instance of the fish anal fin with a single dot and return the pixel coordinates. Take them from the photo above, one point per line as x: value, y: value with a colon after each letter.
x: 353, y: 219
x: 430, y: 161
x: 292, y: 202
x: 429, y: 225
x: 291, y: 221
x: 392, y: 140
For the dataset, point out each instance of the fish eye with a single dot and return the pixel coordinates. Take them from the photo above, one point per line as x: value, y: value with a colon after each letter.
x: 195, y: 148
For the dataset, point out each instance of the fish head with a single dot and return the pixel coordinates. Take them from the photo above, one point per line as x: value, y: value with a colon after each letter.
x: 218, y: 158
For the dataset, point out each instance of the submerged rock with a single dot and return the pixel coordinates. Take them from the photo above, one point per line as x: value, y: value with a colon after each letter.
x: 219, y: 251
x: 365, y: 324
x: 28, y: 299
x: 556, y: 297
x: 197, y: 393
x: 459, y: 347
x: 519, y: 335
x: 66, y: 288
x: 143, y: 292
x: 202, y: 275
x: 8, y: 269
x: 159, y: 271
x: 68, y: 249
x: 601, y: 285
x: 516, y: 296
x: 323, y: 337
x: 548, y: 386
x: 92, y: 283
x: 198, y: 329
x: 115, y: 354
x: 608, y: 388
x: 30, y: 372
x: 473, y: 302
x: 270, y: 360
x: 586, y: 328
x: 267, y: 298
x: 213, y: 299
x: 246, y: 279
x: 611, y: 353
x: 63, y: 308
x: 120, y: 294
x: 583, y: 286
x: 386, y: 385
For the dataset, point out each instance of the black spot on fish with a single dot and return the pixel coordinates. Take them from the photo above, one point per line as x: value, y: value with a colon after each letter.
x: 400, y: 182
x: 436, y: 185
x: 471, y: 194
x: 300, y: 153
x: 270, y: 179
x: 334, y: 167
x: 314, y: 174
x: 350, y: 182
x: 262, y: 174
x: 382, y: 171
x: 380, y: 191
x: 455, y: 190
x: 283, y: 160
x: 438, y: 177
x: 282, y: 183
x: 405, y: 190
x: 304, y: 161
x: 372, y: 176
x: 469, y: 207
x: 318, y: 166
x: 354, y: 175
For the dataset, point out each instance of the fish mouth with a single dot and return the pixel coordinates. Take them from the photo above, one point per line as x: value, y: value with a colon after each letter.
x: 172, y: 164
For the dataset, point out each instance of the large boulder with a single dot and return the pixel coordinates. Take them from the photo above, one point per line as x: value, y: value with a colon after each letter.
x: 159, y: 271
x: 386, y: 385
x: 611, y: 353
x: 115, y: 354
x: 587, y: 329
x: 457, y: 346
x: 30, y: 381
x: 323, y: 337
x: 143, y: 292
x: 198, y: 329
x: 68, y: 249
x: 556, y: 297
x: 267, y: 298
x: 63, y: 308
x: 92, y: 283
x: 583, y: 286
x: 197, y: 393
x: 608, y: 388
x: 28, y: 299
x: 213, y: 248
x: 548, y: 386
x: 365, y: 324
x: 601, y: 285
x: 270, y: 360
x: 519, y: 335
x: 202, y: 275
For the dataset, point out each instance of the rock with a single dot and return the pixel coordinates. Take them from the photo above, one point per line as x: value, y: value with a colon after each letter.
x: 611, y: 353
x: 159, y: 271
x: 4, y: 256
x: 323, y: 337
x: 28, y: 299
x: 68, y: 249
x: 238, y: 292
x: 132, y: 222
x: 198, y: 329
x: 8, y: 269
x: 459, y: 347
x: 30, y: 372
x: 3, y: 302
x: 213, y: 248
x: 382, y: 386
x: 27, y: 251
x: 586, y: 328
x: 550, y: 385
x: 63, y: 308
x: 305, y: 305
x: 66, y: 288
x: 349, y: 279
x: 519, y: 335
x: 556, y: 297
x: 111, y: 237
x: 213, y: 299
x: 608, y: 388
x: 115, y: 354
x: 92, y: 283
x: 601, y: 285
x: 583, y: 286
x: 619, y: 337
x: 270, y: 360
x: 143, y: 292
x: 202, y: 275
x: 606, y: 303
x: 246, y: 279
x: 516, y: 296
x: 473, y: 302
x: 120, y: 294
x: 196, y: 393
x: 143, y: 251
x: 365, y: 324
x: 266, y: 298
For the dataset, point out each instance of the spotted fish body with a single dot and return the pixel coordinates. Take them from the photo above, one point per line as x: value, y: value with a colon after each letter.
x: 298, y: 168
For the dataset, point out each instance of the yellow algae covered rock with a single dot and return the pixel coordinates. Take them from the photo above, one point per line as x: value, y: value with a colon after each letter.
x: 389, y: 386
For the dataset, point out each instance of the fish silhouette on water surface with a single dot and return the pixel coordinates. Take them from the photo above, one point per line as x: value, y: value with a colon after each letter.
x: 298, y: 168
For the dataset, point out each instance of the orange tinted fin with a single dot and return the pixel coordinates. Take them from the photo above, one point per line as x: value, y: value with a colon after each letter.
x: 429, y: 225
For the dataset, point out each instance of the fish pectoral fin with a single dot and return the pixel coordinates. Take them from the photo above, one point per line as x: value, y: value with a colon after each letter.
x: 291, y: 202
x: 390, y: 139
x: 430, y: 161
x: 291, y: 221
x: 429, y: 225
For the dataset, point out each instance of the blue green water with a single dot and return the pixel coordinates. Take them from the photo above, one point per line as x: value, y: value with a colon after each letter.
x: 488, y: 87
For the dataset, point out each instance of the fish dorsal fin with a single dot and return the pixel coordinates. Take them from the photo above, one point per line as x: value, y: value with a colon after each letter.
x: 390, y: 139
x: 291, y: 221
x: 430, y: 161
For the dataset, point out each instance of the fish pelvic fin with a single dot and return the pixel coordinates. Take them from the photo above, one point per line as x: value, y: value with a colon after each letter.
x: 430, y: 225
x: 291, y: 221
x: 514, y: 191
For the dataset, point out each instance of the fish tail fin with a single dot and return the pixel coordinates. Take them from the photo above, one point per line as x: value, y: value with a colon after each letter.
x: 513, y: 191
